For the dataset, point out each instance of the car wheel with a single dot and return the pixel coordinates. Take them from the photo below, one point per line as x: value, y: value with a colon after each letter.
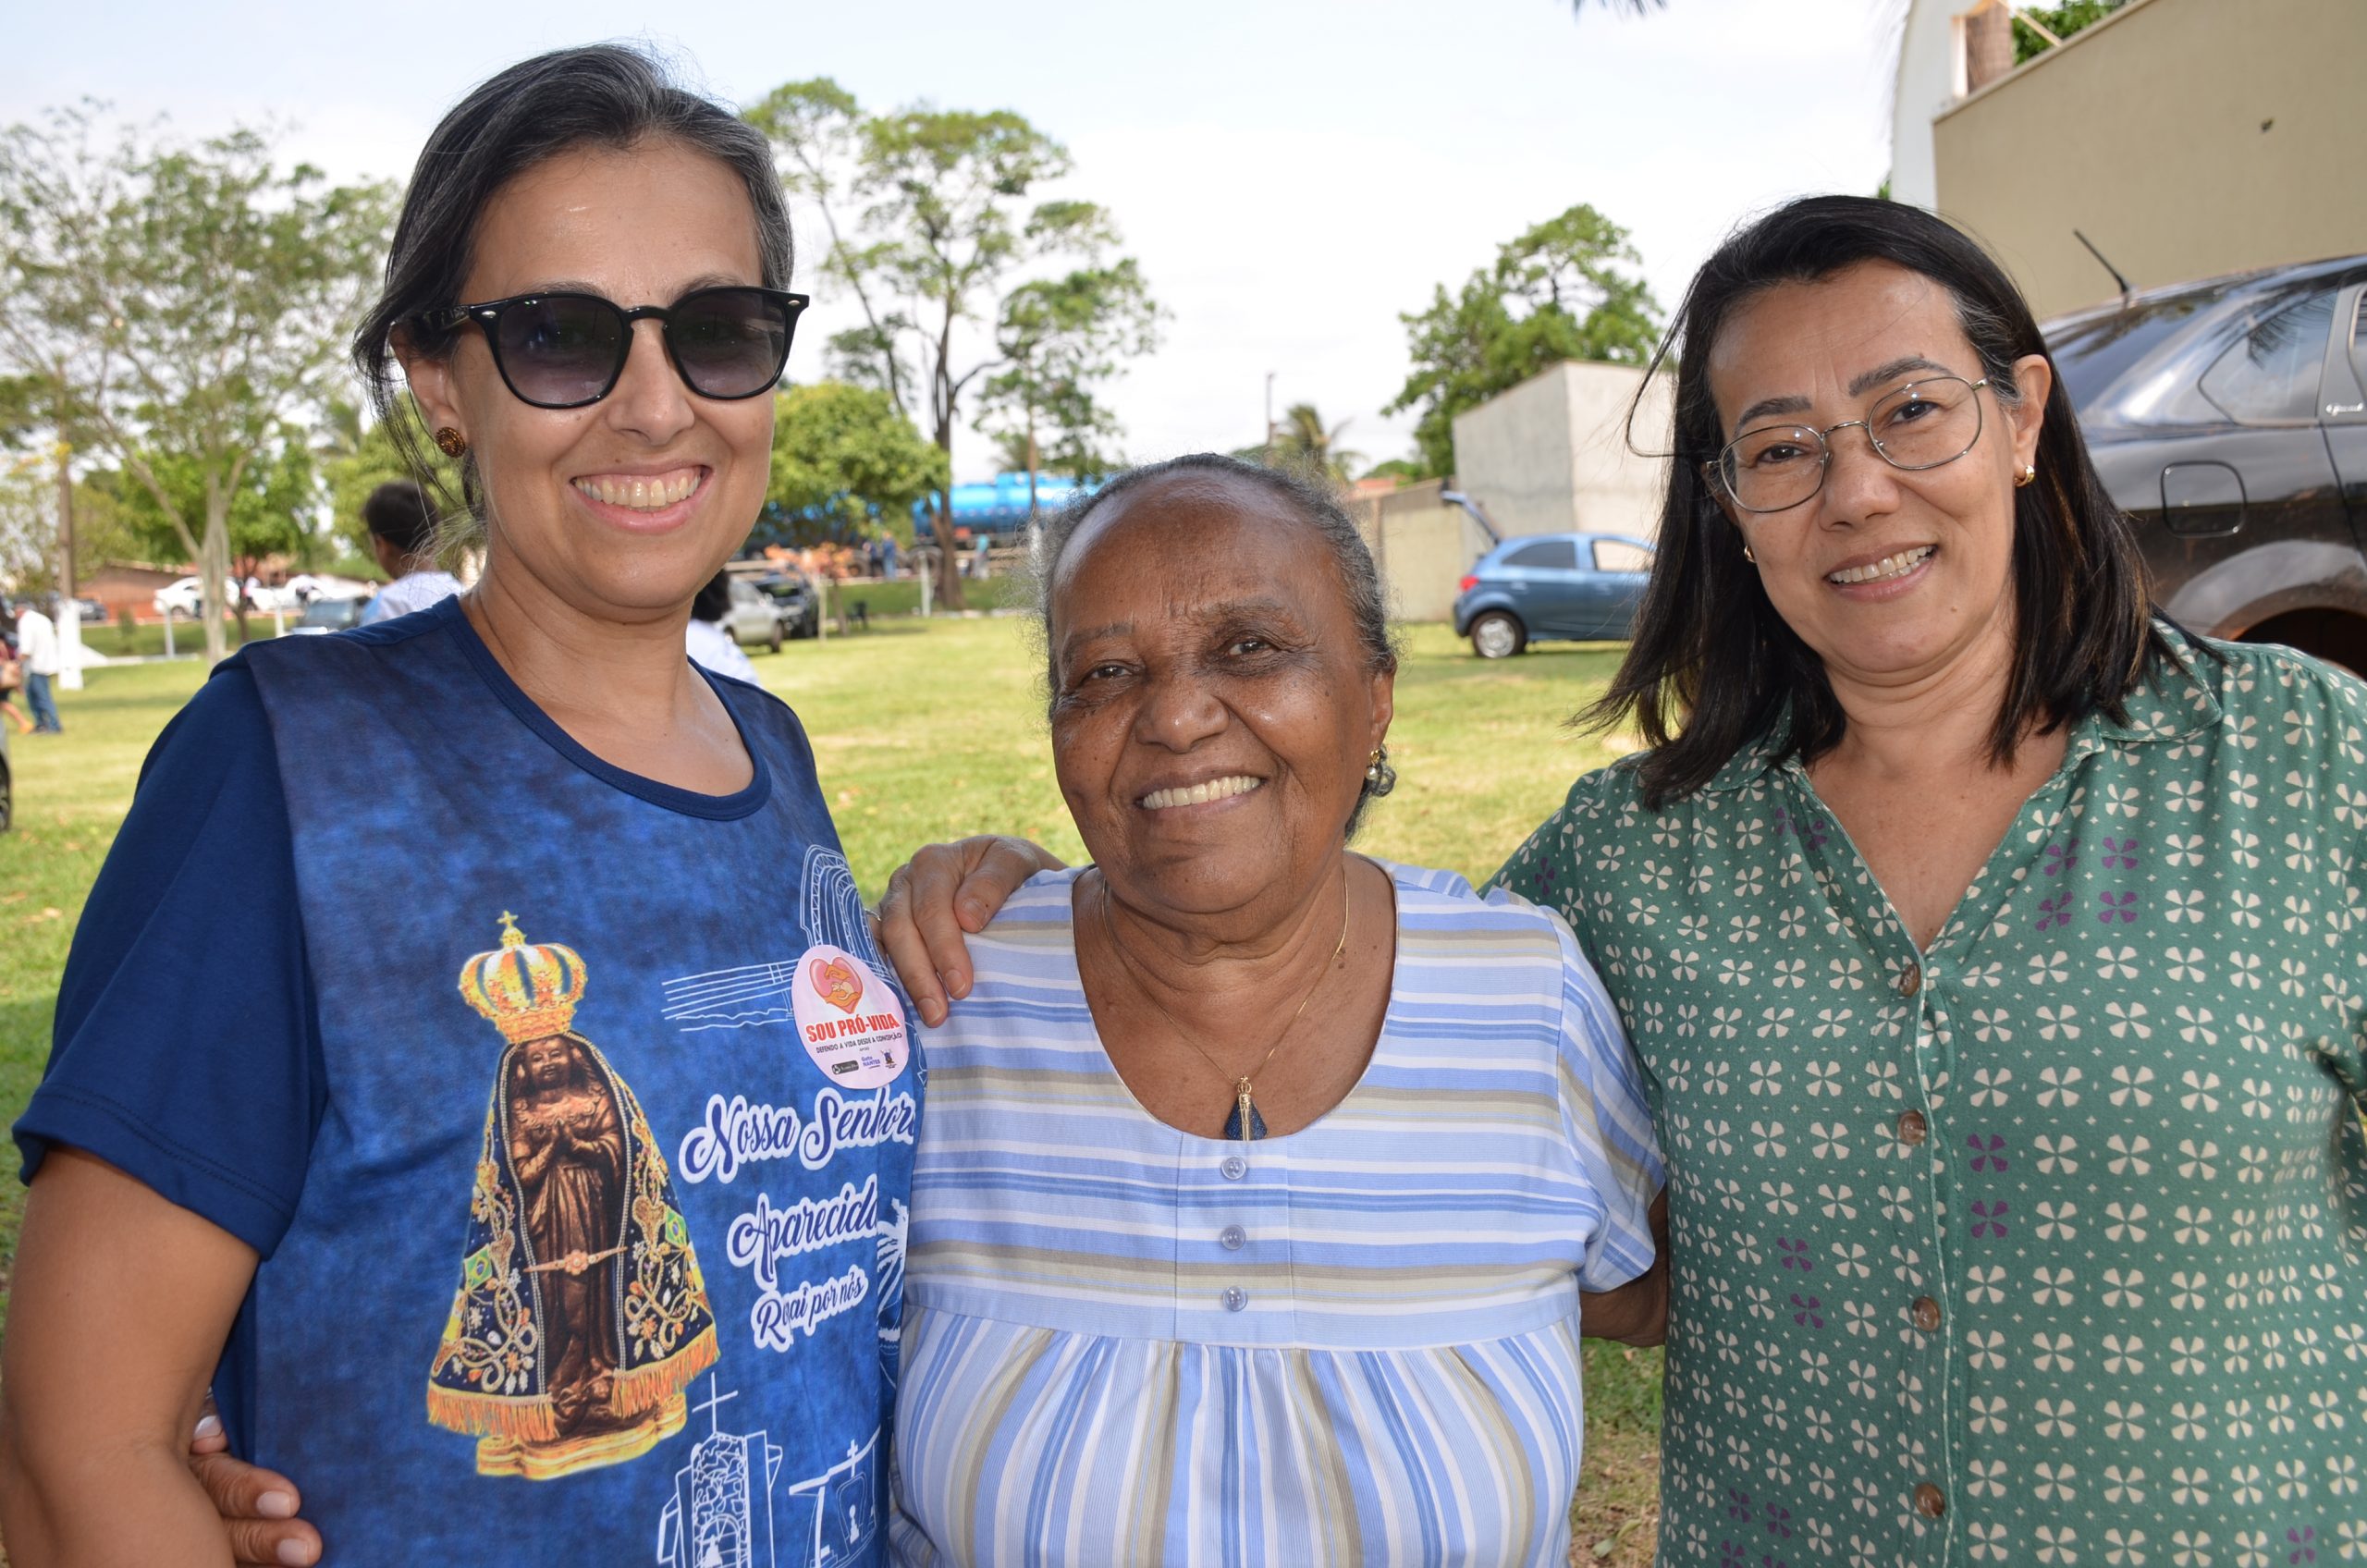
x: 776, y: 641
x: 1498, y: 635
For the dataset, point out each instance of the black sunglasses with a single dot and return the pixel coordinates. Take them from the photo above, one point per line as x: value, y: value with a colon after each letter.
x: 567, y: 350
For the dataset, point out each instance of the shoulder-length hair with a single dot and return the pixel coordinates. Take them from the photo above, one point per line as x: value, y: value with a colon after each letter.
x: 603, y: 95
x: 1714, y: 668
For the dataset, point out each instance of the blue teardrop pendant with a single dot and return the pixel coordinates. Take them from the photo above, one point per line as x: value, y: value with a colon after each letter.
x: 1244, y: 1123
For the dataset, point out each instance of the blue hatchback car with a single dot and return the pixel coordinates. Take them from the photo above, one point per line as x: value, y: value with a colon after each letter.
x: 1539, y: 587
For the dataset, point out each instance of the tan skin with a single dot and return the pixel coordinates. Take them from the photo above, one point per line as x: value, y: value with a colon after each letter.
x: 121, y: 1301
x: 1919, y: 669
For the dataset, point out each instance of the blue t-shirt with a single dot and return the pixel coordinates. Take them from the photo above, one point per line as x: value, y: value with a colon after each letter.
x: 570, y: 1113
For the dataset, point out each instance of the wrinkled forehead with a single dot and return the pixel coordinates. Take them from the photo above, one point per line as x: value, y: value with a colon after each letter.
x: 1182, y: 541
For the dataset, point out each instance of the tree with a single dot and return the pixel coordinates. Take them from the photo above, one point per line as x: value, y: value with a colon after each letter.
x: 183, y: 304
x: 1302, y: 442
x: 1403, y: 470
x: 1555, y: 293
x: 944, y: 233
x: 1062, y: 339
x: 269, y: 513
x: 2061, y: 21
x: 845, y: 461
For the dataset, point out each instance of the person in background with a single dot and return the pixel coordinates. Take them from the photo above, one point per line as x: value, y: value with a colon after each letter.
x: 12, y: 673
x: 710, y: 646
x: 402, y: 535
x: 37, y: 648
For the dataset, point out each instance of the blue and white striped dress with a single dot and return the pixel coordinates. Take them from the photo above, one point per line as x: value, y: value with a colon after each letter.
x: 1358, y: 1343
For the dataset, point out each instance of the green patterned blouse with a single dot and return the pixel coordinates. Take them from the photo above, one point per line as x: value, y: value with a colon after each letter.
x: 2047, y: 1245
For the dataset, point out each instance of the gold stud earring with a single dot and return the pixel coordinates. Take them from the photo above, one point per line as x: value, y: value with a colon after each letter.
x: 2028, y: 476
x: 1749, y: 557
x: 450, y: 442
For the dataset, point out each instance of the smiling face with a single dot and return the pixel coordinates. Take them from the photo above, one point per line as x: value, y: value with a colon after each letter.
x: 1890, y: 576
x: 621, y: 508
x: 1213, y: 708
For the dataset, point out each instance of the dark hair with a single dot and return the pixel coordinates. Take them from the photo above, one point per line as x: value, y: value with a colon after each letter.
x: 601, y: 95
x: 1310, y: 501
x: 397, y: 512
x: 713, y: 601
x: 1714, y: 668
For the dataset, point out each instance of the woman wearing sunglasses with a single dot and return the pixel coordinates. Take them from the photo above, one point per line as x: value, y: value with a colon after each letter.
x: 472, y: 1062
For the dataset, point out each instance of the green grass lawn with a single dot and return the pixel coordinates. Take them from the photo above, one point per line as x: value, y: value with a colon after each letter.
x: 923, y: 732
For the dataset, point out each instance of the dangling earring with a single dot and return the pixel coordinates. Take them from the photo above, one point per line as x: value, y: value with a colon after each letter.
x: 450, y: 442
x: 1749, y: 557
x: 1379, y: 778
x: 2028, y: 476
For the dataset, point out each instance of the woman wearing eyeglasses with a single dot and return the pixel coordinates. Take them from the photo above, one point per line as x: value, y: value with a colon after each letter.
x: 472, y: 1062
x: 1992, y: 949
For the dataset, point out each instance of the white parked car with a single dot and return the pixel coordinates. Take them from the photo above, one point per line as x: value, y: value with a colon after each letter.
x: 185, y: 598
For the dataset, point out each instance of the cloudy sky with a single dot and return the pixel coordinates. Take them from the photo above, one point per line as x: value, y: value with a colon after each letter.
x: 1292, y: 173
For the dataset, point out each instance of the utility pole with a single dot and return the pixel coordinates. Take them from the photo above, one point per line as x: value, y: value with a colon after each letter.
x: 1269, y: 419
x: 65, y: 522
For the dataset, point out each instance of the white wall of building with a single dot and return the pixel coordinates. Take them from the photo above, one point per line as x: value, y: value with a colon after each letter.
x: 1930, y: 78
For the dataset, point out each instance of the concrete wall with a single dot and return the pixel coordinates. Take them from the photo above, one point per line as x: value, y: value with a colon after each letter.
x: 1552, y: 455
x: 2187, y: 138
x: 1513, y: 454
x: 1422, y: 546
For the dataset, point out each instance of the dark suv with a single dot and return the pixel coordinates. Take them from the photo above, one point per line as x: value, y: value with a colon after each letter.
x: 2230, y: 418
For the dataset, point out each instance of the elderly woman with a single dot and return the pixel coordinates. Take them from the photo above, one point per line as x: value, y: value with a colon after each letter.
x: 1260, y: 1181
x: 1991, y: 949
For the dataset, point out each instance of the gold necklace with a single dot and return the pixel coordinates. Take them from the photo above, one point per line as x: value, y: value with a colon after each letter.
x: 1244, y: 1123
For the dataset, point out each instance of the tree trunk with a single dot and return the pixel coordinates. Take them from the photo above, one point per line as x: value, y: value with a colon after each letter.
x: 213, y: 569
x: 949, y: 554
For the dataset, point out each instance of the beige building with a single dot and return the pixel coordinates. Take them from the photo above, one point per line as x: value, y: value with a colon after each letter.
x: 2184, y: 137
x: 1552, y: 454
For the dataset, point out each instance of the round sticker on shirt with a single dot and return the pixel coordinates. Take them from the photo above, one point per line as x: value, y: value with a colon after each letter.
x: 849, y: 1018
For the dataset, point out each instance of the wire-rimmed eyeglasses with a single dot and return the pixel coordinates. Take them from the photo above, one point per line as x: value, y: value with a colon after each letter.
x: 1923, y: 425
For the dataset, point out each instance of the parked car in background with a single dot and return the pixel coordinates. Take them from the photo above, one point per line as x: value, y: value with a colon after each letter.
x: 323, y: 616
x: 752, y: 620
x: 794, y: 602
x: 2228, y: 417
x: 185, y: 598
x: 1539, y: 587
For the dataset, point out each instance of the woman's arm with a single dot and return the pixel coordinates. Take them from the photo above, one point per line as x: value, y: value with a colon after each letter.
x: 1636, y: 1313
x: 937, y: 899
x: 118, y: 1310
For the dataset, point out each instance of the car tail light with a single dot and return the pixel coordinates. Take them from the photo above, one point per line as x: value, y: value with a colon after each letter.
x: 1467, y: 585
